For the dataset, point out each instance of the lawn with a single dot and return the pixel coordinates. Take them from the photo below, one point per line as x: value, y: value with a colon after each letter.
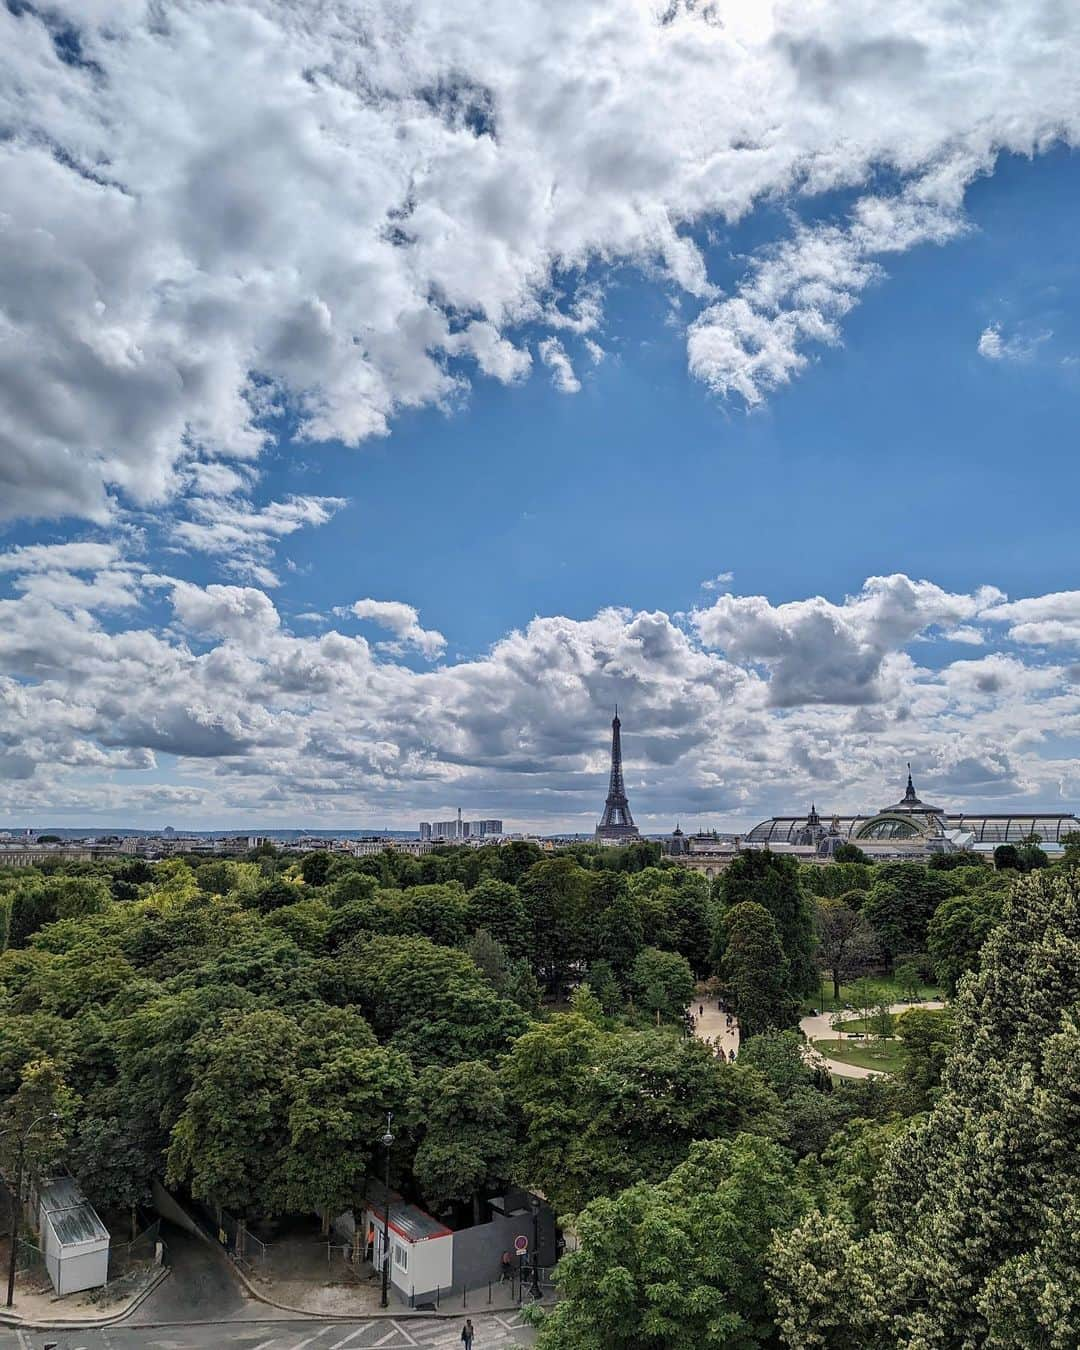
x: 864, y: 1054
x: 826, y: 1003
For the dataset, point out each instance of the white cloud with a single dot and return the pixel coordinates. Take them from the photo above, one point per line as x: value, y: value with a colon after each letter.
x: 718, y: 582
x: 325, y: 209
x: 820, y: 652
x: 553, y: 354
x: 1042, y: 620
x: 809, y: 699
x: 404, y: 621
x: 1020, y: 347
x: 238, y: 612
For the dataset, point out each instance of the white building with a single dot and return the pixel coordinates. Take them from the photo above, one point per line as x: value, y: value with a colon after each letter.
x: 74, y: 1241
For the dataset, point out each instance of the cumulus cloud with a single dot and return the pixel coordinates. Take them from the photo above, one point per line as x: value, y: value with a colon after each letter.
x: 820, y: 652
x: 341, y: 212
x: 238, y: 612
x: 747, y: 708
x: 1042, y: 620
x: 404, y: 621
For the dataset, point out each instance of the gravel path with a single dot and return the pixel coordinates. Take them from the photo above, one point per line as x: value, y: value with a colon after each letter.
x: 819, y: 1027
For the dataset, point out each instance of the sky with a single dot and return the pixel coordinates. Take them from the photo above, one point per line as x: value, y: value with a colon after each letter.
x: 388, y: 390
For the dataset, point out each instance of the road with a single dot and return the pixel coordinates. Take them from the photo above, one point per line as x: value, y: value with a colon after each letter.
x: 504, y: 1331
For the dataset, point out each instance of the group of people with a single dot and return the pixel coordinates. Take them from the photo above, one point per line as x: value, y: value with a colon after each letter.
x: 716, y: 1041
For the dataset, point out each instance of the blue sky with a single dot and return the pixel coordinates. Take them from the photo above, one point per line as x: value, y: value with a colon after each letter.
x: 516, y: 396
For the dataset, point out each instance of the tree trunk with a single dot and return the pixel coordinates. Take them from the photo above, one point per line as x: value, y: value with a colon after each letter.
x: 836, y: 985
x: 134, y: 1221
x: 476, y: 1208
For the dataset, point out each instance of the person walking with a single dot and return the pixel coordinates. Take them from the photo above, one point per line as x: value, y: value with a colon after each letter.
x: 467, y: 1333
x: 701, y: 1009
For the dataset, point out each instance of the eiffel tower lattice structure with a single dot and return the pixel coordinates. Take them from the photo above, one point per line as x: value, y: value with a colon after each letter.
x: 617, y: 825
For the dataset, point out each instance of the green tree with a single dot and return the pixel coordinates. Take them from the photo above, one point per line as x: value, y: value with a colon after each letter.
x: 926, y: 1037
x: 556, y: 893
x: 468, y: 1141
x: 315, y: 867
x: 231, y: 1142
x: 601, y: 1110
x: 900, y: 905
x: 976, y: 1217
x: 1007, y: 856
x: 336, y: 1112
x: 849, y: 853
x: 620, y: 935
x: 679, y: 1265
x: 662, y: 982
x: 40, y: 1115
x: 772, y: 881
x: 846, y: 943
x: 753, y: 970
x: 497, y: 907
x: 956, y: 933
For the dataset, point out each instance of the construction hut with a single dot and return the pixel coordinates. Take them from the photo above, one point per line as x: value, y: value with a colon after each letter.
x: 421, y: 1248
x: 74, y: 1241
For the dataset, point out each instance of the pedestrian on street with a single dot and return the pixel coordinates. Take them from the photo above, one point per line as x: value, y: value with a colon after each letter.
x: 731, y: 1056
x: 701, y: 1009
x: 467, y: 1333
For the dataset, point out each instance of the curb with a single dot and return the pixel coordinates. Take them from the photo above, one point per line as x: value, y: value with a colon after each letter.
x: 61, y: 1324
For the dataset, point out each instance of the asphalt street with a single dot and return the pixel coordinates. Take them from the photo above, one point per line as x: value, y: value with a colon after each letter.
x: 497, y: 1331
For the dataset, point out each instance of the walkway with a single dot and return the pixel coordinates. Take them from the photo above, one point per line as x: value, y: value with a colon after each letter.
x: 819, y: 1028
x: 712, y: 1027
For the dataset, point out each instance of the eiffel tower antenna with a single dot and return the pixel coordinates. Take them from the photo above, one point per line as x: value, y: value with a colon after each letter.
x: 617, y: 825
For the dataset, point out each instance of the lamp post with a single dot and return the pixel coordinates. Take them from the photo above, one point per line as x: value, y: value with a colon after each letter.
x: 387, y: 1141
x: 17, y: 1199
x: 534, y: 1200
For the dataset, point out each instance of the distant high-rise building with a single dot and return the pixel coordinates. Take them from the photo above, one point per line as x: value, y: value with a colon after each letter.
x: 448, y: 829
x: 617, y: 825
x: 425, y: 829
x: 479, y: 829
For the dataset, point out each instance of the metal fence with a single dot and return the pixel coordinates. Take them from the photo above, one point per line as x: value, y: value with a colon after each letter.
x: 141, y: 1250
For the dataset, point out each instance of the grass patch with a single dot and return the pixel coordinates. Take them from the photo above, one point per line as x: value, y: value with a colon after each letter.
x: 865, y: 1055
x: 826, y: 1003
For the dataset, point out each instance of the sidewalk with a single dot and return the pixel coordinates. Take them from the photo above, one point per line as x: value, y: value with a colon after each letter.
x: 40, y: 1307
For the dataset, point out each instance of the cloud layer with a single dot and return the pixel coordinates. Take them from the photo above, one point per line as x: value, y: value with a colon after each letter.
x: 221, y: 715
x: 212, y: 215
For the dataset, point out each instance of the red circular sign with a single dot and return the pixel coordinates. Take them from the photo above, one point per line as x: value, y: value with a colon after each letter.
x: 521, y: 1244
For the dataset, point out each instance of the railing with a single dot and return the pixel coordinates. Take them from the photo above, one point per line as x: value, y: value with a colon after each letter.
x: 141, y: 1250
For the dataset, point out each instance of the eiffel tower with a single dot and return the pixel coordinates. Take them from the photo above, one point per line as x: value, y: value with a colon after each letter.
x: 617, y: 826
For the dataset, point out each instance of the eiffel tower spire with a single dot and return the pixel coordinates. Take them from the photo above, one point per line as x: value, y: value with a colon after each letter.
x: 617, y: 824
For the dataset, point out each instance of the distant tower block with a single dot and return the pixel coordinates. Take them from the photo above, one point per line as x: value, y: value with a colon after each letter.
x: 617, y: 826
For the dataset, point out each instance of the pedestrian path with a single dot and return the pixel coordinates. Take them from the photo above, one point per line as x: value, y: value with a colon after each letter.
x: 819, y: 1028
x: 712, y: 1026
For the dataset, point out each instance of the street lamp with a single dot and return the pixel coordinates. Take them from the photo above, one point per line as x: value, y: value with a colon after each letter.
x: 387, y: 1141
x: 17, y: 1200
x: 534, y: 1200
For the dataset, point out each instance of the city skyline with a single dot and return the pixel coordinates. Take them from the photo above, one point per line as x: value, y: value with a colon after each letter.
x: 762, y: 430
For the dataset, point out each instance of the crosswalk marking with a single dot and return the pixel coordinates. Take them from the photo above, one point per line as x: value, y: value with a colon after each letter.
x: 350, y: 1337
x: 300, y: 1344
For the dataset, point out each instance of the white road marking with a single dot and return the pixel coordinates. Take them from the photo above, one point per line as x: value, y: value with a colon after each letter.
x: 300, y: 1344
x: 266, y: 1344
x: 350, y: 1337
